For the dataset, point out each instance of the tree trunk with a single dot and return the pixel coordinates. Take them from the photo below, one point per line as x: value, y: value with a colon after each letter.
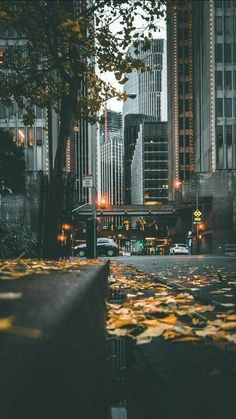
x: 52, y: 247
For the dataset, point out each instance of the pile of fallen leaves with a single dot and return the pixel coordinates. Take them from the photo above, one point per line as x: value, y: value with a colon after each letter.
x: 153, y: 309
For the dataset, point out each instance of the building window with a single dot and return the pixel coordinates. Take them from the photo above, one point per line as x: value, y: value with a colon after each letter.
x: 13, y: 133
x: 218, y: 53
x: 228, y: 4
x: 228, y: 107
x: 219, y: 146
x: 228, y: 80
x: 219, y: 4
x: 3, y: 110
x: 30, y: 135
x: 228, y: 53
x: 39, y: 138
x: 219, y: 80
x: 39, y: 113
x: 218, y: 25
x: 229, y: 150
x: 228, y: 25
x: 21, y: 137
x: 219, y: 107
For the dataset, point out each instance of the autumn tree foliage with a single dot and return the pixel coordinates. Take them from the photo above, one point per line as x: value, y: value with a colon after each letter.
x: 52, y: 65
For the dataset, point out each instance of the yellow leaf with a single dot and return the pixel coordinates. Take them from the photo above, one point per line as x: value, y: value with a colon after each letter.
x: 150, y: 322
x: 187, y: 339
x: 209, y: 330
x: 172, y: 319
x: 26, y: 331
x: 228, y: 326
x: 231, y: 317
x: 6, y: 323
x: 123, y: 322
x: 231, y: 338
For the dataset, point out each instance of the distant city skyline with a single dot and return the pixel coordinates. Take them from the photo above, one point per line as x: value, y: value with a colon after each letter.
x: 114, y: 104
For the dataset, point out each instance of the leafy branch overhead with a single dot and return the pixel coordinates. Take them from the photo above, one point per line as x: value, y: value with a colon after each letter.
x: 54, y: 41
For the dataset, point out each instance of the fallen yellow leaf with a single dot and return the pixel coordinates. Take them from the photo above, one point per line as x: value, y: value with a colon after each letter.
x: 6, y: 323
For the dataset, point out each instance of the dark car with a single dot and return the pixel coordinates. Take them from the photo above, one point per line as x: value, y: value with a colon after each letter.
x: 105, y: 247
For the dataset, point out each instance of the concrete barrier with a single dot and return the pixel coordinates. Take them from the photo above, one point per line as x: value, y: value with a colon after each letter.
x: 60, y: 374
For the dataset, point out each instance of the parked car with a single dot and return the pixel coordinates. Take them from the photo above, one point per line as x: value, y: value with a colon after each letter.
x: 105, y: 247
x: 179, y: 249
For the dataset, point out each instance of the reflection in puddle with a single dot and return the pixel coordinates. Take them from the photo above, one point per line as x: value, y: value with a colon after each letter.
x: 119, y: 412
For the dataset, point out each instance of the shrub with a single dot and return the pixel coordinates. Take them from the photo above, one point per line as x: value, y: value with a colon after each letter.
x: 16, y: 240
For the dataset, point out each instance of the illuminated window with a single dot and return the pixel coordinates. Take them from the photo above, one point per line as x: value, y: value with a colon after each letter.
x: 30, y: 132
x: 21, y: 137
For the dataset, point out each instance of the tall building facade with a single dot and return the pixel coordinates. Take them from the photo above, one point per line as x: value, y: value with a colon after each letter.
x: 149, y: 102
x: 149, y: 167
x: 111, y: 158
x: 215, y: 84
x: 180, y: 93
x: 201, y: 38
x: 149, y: 86
x: 112, y: 172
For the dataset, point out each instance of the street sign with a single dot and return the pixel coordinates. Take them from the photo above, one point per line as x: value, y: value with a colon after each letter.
x: 87, y: 181
x: 197, y: 216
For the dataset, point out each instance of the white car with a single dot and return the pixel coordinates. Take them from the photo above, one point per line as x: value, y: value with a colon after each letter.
x: 179, y: 249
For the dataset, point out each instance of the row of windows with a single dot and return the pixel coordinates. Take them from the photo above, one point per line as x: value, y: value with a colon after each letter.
x: 225, y: 80
x: 155, y: 140
x: 184, y: 141
x: 16, y: 113
x: 227, y: 4
x: 155, y: 147
x: 224, y: 107
x: 226, y: 54
x: 184, y: 158
x: 156, y: 175
x: 156, y: 165
x: 27, y: 137
x: 229, y: 25
x: 184, y: 123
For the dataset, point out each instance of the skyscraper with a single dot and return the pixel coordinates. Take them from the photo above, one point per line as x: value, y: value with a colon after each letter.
x: 214, y: 47
x: 149, y: 86
x: 149, y: 167
x: 202, y: 89
x: 111, y: 158
x: 150, y: 102
x: 202, y: 125
x: 180, y: 93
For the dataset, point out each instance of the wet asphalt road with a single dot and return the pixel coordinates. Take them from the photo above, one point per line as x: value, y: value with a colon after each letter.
x: 165, y: 380
x: 202, y: 264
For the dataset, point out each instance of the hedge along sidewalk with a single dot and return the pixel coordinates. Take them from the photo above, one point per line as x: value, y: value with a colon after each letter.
x: 52, y: 351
